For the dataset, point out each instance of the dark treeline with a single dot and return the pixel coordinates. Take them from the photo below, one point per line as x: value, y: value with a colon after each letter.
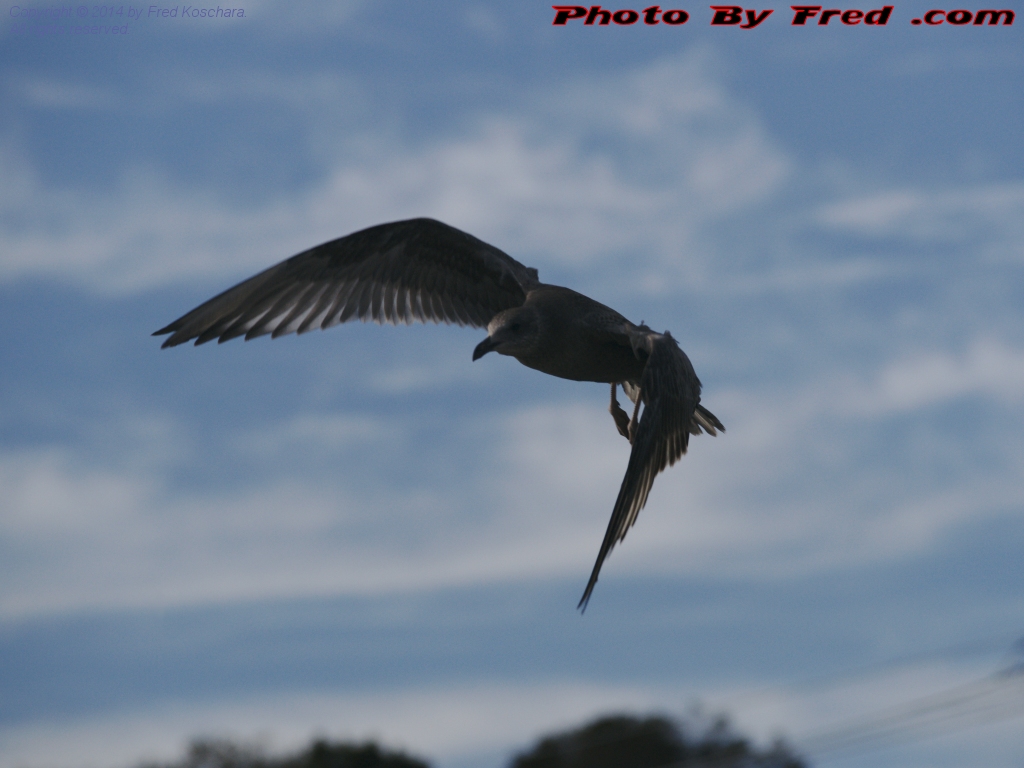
x: 320, y: 754
x: 623, y: 741
x: 619, y: 741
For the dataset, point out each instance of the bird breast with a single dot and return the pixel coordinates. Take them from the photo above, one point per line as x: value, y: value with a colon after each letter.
x: 582, y: 359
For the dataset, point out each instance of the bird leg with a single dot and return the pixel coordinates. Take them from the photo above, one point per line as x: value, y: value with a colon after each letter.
x: 621, y: 419
x: 633, y: 421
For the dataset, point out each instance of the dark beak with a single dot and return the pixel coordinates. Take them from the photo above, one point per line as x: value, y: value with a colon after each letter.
x: 485, y: 346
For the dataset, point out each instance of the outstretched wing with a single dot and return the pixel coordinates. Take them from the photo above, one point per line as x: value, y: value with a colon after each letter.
x: 671, y: 393
x: 419, y: 269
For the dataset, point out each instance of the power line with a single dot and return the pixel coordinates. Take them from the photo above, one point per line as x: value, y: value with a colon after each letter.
x: 991, y: 699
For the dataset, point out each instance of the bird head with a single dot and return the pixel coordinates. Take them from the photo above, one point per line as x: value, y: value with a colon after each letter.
x: 511, y: 332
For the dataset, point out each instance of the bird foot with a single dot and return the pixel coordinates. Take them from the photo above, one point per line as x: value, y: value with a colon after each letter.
x: 631, y: 431
x: 620, y: 416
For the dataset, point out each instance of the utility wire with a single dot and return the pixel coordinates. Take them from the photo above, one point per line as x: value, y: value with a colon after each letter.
x: 991, y: 699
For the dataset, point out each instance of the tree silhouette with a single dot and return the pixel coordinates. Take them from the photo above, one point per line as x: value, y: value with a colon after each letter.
x: 623, y: 741
x: 320, y: 754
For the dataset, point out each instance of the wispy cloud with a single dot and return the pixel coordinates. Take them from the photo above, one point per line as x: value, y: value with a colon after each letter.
x: 988, y: 368
x: 589, y: 173
x: 49, y: 94
x: 982, y: 213
x: 533, y: 503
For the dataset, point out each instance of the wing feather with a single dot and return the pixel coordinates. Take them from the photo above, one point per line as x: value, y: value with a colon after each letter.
x: 670, y: 391
x: 405, y: 271
x: 319, y: 311
x: 351, y: 306
x: 294, y: 316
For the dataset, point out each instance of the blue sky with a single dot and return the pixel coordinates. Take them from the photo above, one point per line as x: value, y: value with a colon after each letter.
x: 362, y: 533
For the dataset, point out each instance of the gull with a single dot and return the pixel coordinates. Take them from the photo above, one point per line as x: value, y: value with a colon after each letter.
x: 427, y: 271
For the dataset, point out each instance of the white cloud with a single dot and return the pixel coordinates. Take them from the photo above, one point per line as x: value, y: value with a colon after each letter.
x: 635, y: 164
x: 988, y: 369
x: 45, y: 498
x: 129, y: 540
x: 911, y: 381
x: 985, y: 213
x: 159, y: 233
x: 773, y: 497
x: 586, y: 170
x: 322, y: 431
x: 43, y: 93
x: 811, y: 276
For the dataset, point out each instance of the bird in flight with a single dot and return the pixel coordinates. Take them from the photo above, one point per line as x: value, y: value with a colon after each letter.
x: 424, y: 270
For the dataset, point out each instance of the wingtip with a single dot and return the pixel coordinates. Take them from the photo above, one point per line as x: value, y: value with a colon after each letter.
x: 167, y: 329
x: 585, y: 600
x: 171, y: 341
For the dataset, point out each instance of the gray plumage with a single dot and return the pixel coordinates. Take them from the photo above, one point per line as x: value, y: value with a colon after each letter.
x: 424, y: 270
